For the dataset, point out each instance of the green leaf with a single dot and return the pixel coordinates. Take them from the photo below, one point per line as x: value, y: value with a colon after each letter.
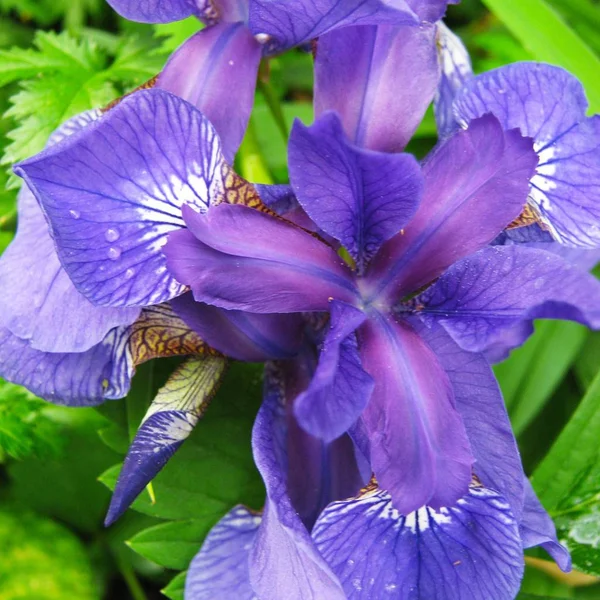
x: 547, y: 36
x: 42, y: 560
x: 586, y: 365
x: 213, y: 470
x: 172, y: 35
x: 533, y: 372
x: 173, y: 544
x: 176, y: 588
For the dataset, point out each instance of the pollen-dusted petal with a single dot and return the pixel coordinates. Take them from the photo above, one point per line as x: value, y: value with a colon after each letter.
x: 294, y: 22
x: 215, y: 70
x: 246, y: 336
x: 340, y: 388
x: 469, y: 550
x: 491, y: 298
x: 360, y: 197
x: 419, y: 449
x: 161, y: 11
x: 38, y: 302
x: 238, y: 258
x: 168, y: 422
x: 113, y: 192
x: 548, y: 104
x: 476, y: 183
x: 456, y: 69
x: 220, y: 570
x: 380, y: 80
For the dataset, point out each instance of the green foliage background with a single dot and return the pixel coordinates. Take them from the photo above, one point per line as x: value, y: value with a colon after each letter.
x: 60, y: 57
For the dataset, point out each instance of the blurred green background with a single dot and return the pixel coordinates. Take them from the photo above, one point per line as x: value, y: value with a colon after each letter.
x: 60, y: 57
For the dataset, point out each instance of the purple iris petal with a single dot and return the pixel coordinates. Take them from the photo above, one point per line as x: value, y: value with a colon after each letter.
x: 476, y: 183
x: 238, y: 258
x: 245, y: 336
x: 537, y: 529
x: 470, y: 550
x: 456, y: 71
x: 418, y: 444
x: 380, y: 81
x: 492, y: 296
x: 114, y: 191
x: 479, y: 402
x: 361, y: 198
x: 283, y: 562
x: 161, y: 11
x: 38, y: 302
x: 220, y: 570
x: 215, y: 70
x: 170, y: 419
x: 547, y: 104
x: 293, y: 22
x: 340, y: 388
x: 430, y: 10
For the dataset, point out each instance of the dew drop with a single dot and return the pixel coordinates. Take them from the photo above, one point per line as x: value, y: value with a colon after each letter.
x: 112, y: 235
x: 129, y: 273
x: 114, y: 253
x: 75, y: 214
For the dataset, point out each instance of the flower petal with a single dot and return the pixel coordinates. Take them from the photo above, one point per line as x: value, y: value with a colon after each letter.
x: 380, y: 80
x: 340, y: 388
x: 547, y: 104
x: 220, y: 570
x: 238, y: 258
x: 161, y: 11
x: 283, y: 562
x: 294, y: 22
x: 114, y: 191
x: 470, y: 550
x: 361, y: 198
x: 493, y: 296
x: 456, y: 71
x: 169, y: 421
x: 537, y: 529
x: 476, y: 183
x: 215, y: 70
x: 481, y: 407
x: 246, y: 336
x: 418, y: 445
x: 38, y: 302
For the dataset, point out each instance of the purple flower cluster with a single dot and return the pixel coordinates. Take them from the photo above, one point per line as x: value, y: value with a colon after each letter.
x: 378, y: 289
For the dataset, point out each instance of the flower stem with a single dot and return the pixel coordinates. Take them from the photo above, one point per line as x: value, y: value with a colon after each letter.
x: 272, y: 100
x: 251, y: 163
x: 131, y: 580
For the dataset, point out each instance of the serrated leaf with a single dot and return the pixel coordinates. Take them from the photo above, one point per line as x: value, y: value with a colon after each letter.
x: 176, y: 588
x: 136, y: 60
x: 173, y: 544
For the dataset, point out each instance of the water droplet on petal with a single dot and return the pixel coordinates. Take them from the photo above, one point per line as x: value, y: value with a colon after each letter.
x: 114, y: 253
x: 112, y: 235
x: 129, y: 273
x: 75, y: 214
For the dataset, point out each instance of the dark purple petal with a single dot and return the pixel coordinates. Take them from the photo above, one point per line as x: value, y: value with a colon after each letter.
x: 537, y: 529
x: 340, y: 387
x: 293, y: 22
x: 283, y: 562
x: 279, y: 198
x: 161, y: 11
x: 492, y: 296
x: 456, y: 71
x: 246, y: 336
x: 418, y: 445
x: 548, y: 104
x: 220, y: 570
x: 380, y: 80
x: 238, y: 258
x: 170, y: 419
x: 470, y: 550
x: 38, y: 302
x: 479, y: 402
x: 360, y: 197
x: 215, y: 70
x: 114, y: 191
x: 476, y: 183
x: 430, y: 10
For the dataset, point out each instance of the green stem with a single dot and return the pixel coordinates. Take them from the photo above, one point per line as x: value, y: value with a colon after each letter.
x: 251, y: 163
x: 131, y: 580
x: 272, y: 100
